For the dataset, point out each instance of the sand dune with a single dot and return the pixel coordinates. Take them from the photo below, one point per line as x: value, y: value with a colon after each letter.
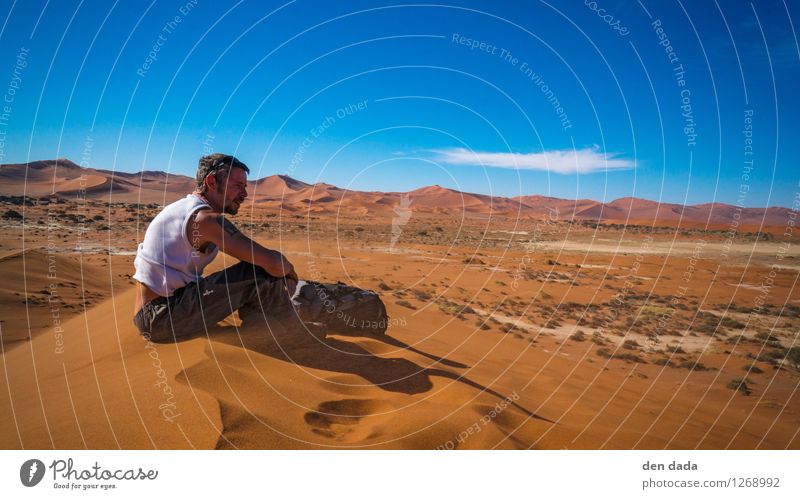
x: 238, y: 390
x: 88, y: 183
x: 100, y: 392
x: 275, y: 186
x: 43, y: 178
x: 39, y: 178
x: 65, y: 178
x: 46, y: 288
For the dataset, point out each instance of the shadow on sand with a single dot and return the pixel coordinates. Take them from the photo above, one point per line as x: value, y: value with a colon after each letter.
x: 334, y: 355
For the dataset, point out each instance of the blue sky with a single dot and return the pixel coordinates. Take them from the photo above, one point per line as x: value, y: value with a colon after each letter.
x: 566, y: 99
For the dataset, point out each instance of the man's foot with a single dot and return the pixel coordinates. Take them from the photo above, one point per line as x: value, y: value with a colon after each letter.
x: 344, y: 309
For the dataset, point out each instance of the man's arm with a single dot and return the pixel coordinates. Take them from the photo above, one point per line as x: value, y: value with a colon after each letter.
x: 214, y: 228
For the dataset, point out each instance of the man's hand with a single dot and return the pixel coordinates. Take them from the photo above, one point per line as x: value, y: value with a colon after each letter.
x: 291, y: 285
x: 291, y: 282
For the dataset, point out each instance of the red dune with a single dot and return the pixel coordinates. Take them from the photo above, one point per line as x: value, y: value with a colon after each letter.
x: 275, y: 186
x: 87, y: 183
x: 61, y: 176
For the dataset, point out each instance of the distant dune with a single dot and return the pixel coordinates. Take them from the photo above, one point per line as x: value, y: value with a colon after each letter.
x: 63, y: 177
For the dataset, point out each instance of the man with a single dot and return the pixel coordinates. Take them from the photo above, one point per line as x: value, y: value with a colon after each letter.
x: 174, y: 300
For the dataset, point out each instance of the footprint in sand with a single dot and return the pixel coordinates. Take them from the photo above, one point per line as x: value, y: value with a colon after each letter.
x: 517, y: 429
x: 347, y: 385
x: 348, y: 419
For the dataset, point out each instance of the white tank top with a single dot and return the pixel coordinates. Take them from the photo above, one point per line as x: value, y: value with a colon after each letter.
x: 167, y: 260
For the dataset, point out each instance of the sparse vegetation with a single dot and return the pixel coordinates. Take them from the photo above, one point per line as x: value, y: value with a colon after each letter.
x: 735, y: 340
x: 731, y: 323
x: 752, y: 368
x: 482, y: 325
x: 473, y: 261
x: 630, y: 345
x: 578, y: 336
x: 693, y: 365
x: 765, y: 336
x: 12, y: 215
x: 421, y: 295
x: 674, y: 349
x: 793, y: 356
x: 506, y: 327
x: 739, y: 384
x: 630, y: 357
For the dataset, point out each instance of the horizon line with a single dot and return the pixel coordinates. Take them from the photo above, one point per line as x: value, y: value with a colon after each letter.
x: 286, y: 174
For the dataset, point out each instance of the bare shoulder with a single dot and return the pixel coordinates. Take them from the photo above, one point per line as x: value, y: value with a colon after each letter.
x: 202, y: 220
x: 210, y: 222
x: 203, y: 216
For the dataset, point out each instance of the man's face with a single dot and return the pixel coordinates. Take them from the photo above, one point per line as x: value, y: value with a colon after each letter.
x: 232, y: 190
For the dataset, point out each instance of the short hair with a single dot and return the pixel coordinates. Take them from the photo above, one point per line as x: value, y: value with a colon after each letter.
x: 214, y: 164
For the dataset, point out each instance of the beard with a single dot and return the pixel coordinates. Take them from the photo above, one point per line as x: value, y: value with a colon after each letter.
x: 230, y: 205
x: 231, y: 208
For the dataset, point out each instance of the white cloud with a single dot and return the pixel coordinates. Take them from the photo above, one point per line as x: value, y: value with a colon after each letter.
x: 587, y: 160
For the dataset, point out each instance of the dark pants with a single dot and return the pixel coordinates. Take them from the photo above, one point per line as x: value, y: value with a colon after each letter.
x: 198, y: 306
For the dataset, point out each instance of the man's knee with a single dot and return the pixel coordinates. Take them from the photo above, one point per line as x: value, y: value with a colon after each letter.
x: 267, y: 283
x: 244, y: 271
x: 263, y: 275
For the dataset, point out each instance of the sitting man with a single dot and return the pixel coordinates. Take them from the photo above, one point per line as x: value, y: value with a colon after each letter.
x: 175, y: 301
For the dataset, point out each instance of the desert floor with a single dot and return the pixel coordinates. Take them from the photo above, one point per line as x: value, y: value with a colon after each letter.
x: 504, y: 334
